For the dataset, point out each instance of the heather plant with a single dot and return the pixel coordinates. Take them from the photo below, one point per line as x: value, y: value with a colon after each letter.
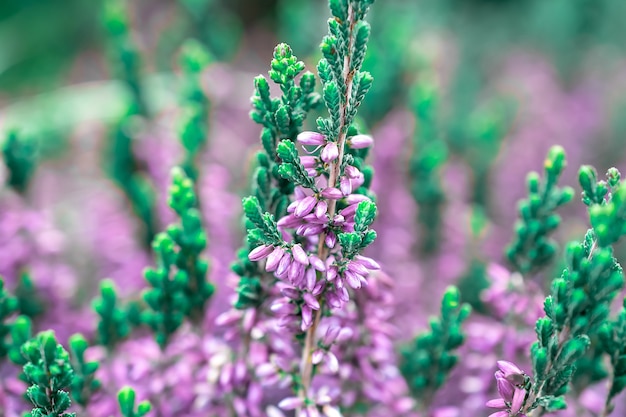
x: 428, y: 361
x: 50, y: 374
x: 8, y: 307
x: 195, y: 105
x: 113, y: 324
x: 121, y: 162
x: 126, y: 400
x: 178, y: 285
x: 315, y: 328
x: 84, y: 382
x: 580, y: 301
x: 532, y: 248
x: 427, y: 160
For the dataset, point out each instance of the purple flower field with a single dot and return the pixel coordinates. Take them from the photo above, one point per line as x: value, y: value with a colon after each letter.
x: 405, y: 214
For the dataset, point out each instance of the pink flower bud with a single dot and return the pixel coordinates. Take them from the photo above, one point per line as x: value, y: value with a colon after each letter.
x: 299, y: 255
x: 274, y: 259
x: 311, y: 138
x: 345, y: 185
x: 305, y: 206
x: 351, y: 172
x: 261, y: 252
x: 321, y: 209
x: 332, y: 193
x: 311, y: 301
x: 330, y: 152
x: 308, y: 162
x: 360, y: 141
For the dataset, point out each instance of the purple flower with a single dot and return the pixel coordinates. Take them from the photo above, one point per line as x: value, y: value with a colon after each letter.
x: 510, y: 379
x: 260, y: 252
x: 360, y: 141
x: 330, y: 152
x: 311, y: 138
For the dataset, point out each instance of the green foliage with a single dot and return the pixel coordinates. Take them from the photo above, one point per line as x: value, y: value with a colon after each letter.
x: 21, y: 332
x: 28, y: 296
x: 123, y: 54
x: 594, y: 191
x: 343, y: 50
x: 84, y: 383
x: 579, y: 303
x: 125, y: 170
x: 282, y: 118
x: 532, y: 247
x: 427, y: 160
x: 126, y: 401
x: 609, y: 220
x: 291, y: 167
x: 264, y: 230
x: 355, y: 242
x: 195, y: 105
x: 178, y: 285
x: 191, y: 239
x: 214, y: 24
x: 166, y: 296
x: 20, y: 155
x: 113, y: 326
x: 8, y: 307
x: 49, y: 372
x: 427, y: 362
x: 612, y: 336
x: 121, y: 163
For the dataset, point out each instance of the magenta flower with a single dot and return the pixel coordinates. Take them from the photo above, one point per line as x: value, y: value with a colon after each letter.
x: 511, y: 381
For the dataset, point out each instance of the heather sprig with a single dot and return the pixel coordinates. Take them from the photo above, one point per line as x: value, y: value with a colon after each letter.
x: 123, y: 52
x: 178, y: 285
x: 29, y: 298
x: 8, y: 307
x: 113, y: 325
x: 532, y: 247
x: 329, y: 220
x: 597, y: 191
x: 427, y: 159
x: 84, y: 383
x: 612, y: 336
x: 121, y: 161
x: 195, y: 105
x: 50, y: 374
x: 281, y: 117
x: 20, y: 154
x: 429, y: 359
x: 21, y: 332
x: 191, y: 239
x: 579, y: 303
x: 126, y: 401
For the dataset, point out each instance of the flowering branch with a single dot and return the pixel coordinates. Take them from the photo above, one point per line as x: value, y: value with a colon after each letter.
x: 579, y: 303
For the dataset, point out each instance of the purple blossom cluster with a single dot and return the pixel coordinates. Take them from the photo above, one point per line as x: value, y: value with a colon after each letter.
x: 324, y: 337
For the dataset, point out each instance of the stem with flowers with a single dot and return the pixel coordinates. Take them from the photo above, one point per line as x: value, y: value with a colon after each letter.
x: 579, y: 303
x: 314, y: 250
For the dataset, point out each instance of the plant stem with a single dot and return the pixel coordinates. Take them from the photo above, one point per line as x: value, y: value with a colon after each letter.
x: 306, y: 364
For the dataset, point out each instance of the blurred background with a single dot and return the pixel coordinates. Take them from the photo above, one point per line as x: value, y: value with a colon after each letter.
x: 468, y: 97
